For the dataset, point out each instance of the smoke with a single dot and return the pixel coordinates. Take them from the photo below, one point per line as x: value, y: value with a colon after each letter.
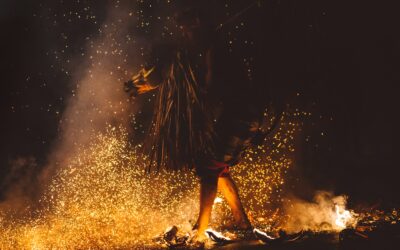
x: 318, y: 215
x: 19, y: 182
x: 98, y: 100
x: 98, y: 193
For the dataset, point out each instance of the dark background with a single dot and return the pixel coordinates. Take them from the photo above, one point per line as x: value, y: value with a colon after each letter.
x: 341, y: 56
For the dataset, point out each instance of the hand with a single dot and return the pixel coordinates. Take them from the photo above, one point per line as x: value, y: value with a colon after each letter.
x: 139, y: 83
x: 141, y: 77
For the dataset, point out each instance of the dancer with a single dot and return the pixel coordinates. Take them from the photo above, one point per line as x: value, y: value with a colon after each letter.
x: 205, y: 114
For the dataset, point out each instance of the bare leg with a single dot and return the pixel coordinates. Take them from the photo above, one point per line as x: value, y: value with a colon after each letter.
x: 228, y: 188
x: 208, y: 191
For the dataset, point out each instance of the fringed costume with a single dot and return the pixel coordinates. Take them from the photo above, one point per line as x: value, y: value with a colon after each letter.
x: 181, y: 134
x: 204, y: 115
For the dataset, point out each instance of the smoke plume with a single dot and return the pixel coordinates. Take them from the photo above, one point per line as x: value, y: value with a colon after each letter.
x: 318, y: 215
x: 98, y: 100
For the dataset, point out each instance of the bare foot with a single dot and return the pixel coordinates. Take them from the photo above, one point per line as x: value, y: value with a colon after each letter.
x: 197, y: 241
x: 197, y: 236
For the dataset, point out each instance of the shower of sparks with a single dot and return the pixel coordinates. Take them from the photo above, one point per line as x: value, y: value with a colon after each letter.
x: 103, y: 197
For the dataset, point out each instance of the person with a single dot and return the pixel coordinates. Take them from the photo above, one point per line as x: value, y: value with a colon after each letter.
x: 205, y: 115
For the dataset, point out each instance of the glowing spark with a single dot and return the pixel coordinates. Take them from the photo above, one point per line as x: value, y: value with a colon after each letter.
x: 103, y: 198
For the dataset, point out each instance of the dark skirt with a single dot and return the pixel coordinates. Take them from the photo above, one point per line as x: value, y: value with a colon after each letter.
x: 186, y: 130
x: 235, y: 129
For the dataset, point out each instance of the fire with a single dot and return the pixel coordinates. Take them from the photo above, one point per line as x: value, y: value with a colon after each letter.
x: 326, y: 212
x: 218, y: 200
x: 343, y: 217
x: 103, y: 198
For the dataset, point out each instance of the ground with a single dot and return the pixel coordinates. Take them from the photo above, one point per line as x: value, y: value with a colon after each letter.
x: 324, y: 242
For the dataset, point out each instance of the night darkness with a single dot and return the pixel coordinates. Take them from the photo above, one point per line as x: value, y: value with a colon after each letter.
x: 336, y: 59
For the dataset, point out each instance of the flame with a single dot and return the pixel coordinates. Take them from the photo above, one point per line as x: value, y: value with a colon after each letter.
x: 218, y: 200
x: 326, y: 212
x: 343, y: 217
